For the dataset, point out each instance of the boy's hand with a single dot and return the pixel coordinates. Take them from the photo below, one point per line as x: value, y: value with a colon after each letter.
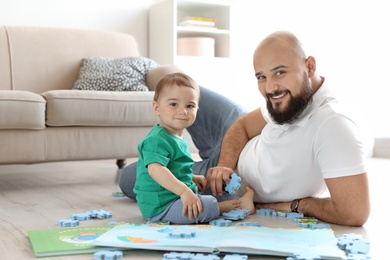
x: 191, y: 204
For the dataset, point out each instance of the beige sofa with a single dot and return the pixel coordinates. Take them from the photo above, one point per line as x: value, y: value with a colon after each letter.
x: 43, y: 119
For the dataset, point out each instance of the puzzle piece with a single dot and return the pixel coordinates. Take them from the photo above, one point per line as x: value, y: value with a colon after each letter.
x: 266, y: 212
x: 294, y: 215
x: 100, y: 213
x: 81, y: 216
x: 236, y: 214
x: 313, y: 225
x: 221, y: 222
x: 108, y: 255
x: 234, y: 184
x: 182, y: 233
x: 280, y: 213
x: 68, y: 222
x: 358, y: 257
x: 249, y: 224
x: 347, y: 239
x: 358, y: 247
x: 178, y: 256
x: 235, y: 257
x: 205, y: 257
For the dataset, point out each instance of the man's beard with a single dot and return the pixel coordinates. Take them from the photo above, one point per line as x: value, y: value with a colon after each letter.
x: 295, y: 106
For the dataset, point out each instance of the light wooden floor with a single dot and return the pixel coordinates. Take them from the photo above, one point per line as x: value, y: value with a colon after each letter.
x: 36, y: 196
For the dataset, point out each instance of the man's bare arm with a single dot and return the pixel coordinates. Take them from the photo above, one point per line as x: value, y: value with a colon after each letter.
x: 348, y: 204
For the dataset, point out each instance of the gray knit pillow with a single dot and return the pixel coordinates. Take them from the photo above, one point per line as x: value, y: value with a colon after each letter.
x: 114, y: 74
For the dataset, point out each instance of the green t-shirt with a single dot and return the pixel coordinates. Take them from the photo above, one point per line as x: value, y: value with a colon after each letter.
x: 159, y: 146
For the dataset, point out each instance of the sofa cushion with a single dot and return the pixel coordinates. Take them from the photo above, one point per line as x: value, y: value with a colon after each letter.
x: 114, y: 74
x: 21, y: 110
x: 99, y: 108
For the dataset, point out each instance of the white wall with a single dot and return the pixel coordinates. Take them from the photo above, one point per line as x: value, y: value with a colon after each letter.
x: 349, y: 38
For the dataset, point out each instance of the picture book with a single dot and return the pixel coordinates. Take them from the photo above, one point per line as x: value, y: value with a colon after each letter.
x: 223, y: 239
x: 66, y: 241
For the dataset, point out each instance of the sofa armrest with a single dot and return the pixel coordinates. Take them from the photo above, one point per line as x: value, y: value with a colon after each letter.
x: 154, y: 75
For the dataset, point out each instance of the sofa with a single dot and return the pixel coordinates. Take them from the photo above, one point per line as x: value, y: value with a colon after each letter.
x: 43, y: 118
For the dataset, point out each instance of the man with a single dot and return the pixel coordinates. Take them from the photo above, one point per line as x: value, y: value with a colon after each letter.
x: 298, y: 146
x: 290, y: 151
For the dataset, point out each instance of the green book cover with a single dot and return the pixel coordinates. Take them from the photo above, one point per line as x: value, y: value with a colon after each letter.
x: 66, y: 241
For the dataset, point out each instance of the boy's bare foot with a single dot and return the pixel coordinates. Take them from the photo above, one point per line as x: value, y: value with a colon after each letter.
x: 228, y: 205
x: 247, y: 200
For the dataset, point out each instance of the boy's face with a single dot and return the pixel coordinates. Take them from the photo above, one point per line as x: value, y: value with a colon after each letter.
x: 176, y: 107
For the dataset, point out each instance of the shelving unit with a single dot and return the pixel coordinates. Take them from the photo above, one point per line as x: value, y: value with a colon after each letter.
x: 164, y: 32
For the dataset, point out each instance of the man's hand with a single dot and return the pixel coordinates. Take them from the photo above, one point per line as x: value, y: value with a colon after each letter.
x: 191, y: 204
x: 216, y: 177
x: 200, y: 181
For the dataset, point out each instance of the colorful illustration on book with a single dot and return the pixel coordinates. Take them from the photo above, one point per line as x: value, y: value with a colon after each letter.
x: 80, y: 237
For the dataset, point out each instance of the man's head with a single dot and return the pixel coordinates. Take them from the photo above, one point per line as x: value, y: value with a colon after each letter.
x: 284, y: 75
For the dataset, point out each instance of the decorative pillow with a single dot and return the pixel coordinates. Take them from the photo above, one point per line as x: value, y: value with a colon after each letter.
x: 114, y: 74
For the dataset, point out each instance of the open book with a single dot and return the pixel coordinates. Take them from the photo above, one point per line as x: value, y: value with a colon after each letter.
x: 66, y: 241
x: 217, y: 239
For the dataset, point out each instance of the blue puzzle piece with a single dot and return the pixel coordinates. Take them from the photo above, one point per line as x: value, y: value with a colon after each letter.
x: 182, y: 233
x: 234, y: 184
x: 266, y: 212
x: 294, y: 215
x: 358, y: 257
x: 235, y: 257
x: 205, y: 257
x: 100, y: 213
x: 68, y: 222
x: 249, y: 224
x: 221, y: 222
x: 347, y: 239
x: 108, y: 255
x: 236, y: 214
x: 178, y: 256
x: 81, y: 216
x: 358, y: 247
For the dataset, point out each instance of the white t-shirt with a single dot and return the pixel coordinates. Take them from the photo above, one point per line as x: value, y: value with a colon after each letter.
x: 287, y: 162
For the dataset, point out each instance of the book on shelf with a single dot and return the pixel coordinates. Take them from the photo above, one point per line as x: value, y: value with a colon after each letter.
x: 66, y: 241
x: 223, y: 239
x: 197, y: 21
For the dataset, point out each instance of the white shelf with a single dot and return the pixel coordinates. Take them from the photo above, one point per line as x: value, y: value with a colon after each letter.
x: 164, y: 32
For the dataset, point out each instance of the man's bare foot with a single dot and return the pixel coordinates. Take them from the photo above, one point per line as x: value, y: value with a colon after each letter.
x: 228, y: 205
x: 247, y: 200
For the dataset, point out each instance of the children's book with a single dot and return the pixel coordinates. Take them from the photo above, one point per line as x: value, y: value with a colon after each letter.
x: 66, y: 241
x: 224, y: 239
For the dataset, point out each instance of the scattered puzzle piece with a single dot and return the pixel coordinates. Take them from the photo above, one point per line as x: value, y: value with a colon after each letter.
x: 108, y: 254
x: 294, y: 215
x: 178, y: 256
x: 249, y: 224
x: 100, y: 213
x: 221, y: 222
x: 205, y: 257
x: 236, y: 214
x: 234, y: 184
x: 266, y: 212
x: 182, y: 233
x: 81, y: 216
x: 68, y: 222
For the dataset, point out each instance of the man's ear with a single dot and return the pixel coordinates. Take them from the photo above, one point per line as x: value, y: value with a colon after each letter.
x: 156, y: 108
x: 311, y: 66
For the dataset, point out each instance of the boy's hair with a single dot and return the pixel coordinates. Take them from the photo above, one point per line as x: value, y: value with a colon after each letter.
x: 175, y: 79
